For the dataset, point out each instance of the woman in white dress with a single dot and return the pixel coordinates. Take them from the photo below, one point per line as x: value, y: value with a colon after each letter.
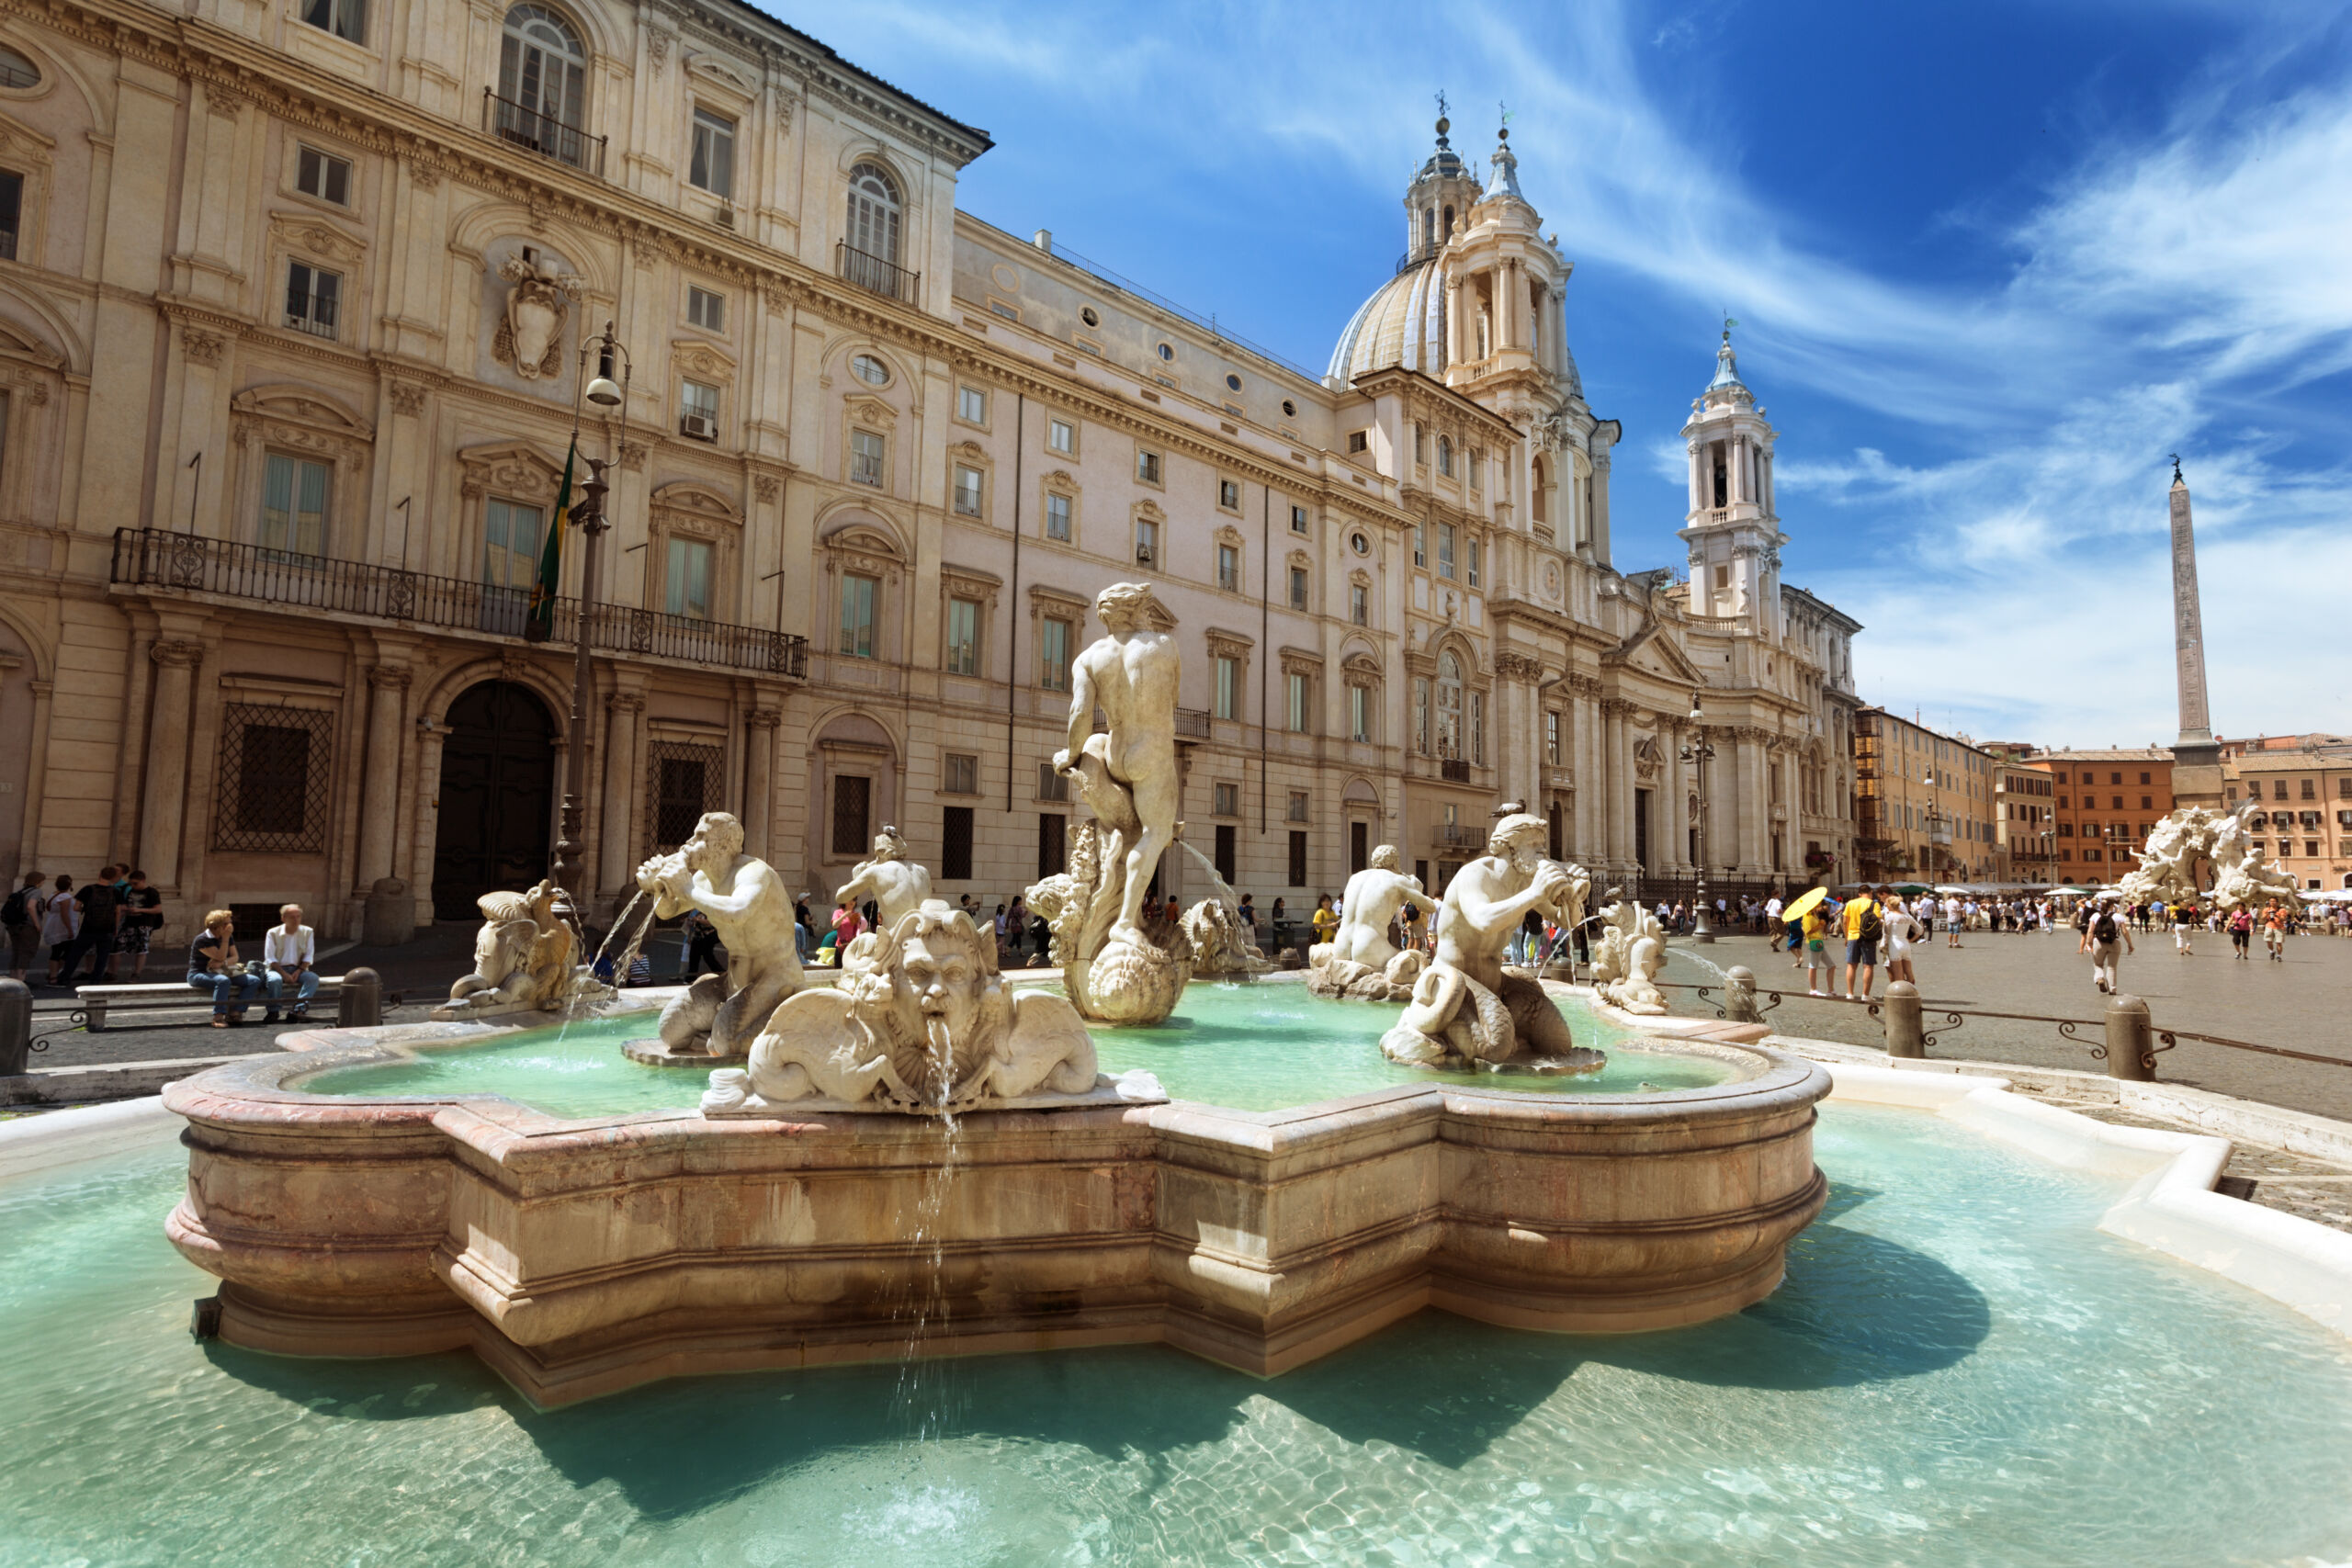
x: 1902, y: 928
x: 61, y: 922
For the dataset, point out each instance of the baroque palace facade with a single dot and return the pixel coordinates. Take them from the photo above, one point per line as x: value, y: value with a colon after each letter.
x: 291, y: 300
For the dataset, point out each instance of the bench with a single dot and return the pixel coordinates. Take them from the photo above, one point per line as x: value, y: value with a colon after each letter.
x: 155, y: 995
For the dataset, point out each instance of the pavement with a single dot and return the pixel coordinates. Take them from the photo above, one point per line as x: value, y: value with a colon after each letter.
x: 2303, y: 1004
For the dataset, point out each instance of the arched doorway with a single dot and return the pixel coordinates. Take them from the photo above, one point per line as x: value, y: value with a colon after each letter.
x: 497, y: 796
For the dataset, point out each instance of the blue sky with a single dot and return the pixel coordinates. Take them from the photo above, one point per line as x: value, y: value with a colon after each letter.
x: 1991, y: 262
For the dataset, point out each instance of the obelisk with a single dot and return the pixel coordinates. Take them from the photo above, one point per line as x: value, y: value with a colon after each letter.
x: 2196, y: 758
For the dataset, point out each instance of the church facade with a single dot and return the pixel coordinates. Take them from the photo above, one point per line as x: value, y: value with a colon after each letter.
x: 292, y: 309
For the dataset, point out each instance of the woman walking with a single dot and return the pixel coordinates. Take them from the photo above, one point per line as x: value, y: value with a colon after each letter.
x: 2184, y: 927
x: 2240, y: 924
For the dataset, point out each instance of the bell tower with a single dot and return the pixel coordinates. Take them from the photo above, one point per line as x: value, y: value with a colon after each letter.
x: 1438, y: 202
x: 1732, y: 527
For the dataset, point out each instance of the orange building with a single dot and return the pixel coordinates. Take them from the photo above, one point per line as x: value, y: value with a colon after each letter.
x: 2104, y: 805
x: 2303, y: 787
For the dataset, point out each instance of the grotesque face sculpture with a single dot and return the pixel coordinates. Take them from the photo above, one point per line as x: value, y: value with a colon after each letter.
x: 936, y: 1005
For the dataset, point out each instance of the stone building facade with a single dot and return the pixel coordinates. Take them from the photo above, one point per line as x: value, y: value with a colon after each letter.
x: 1925, y: 803
x: 2302, y: 787
x: 290, y: 325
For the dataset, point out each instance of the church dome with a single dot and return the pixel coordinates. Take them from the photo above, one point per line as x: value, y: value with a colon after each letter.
x: 1402, y: 324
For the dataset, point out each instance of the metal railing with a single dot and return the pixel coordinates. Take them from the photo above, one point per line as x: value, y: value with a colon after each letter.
x: 1454, y: 770
x: 155, y: 558
x: 536, y: 131
x: 1060, y: 252
x: 1193, y: 724
x: 874, y: 275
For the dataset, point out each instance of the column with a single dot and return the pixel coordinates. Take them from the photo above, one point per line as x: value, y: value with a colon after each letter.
x: 424, y: 843
x: 612, y: 866
x: 1600, y: 505
x: 379, y: 788
x: 1613, y: 740
x: 759, y: 774
x: 1678, y: 791
x: 1454, y: 319
x: 1591, y: 804
x: 1755, y: 813
x: 168, y: 741
x: 1507, y: 335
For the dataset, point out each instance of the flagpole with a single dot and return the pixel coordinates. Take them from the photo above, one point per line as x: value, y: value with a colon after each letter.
x: 588, y: 514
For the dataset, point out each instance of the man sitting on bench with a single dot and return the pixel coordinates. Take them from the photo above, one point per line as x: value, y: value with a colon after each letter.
x: 290, y: 953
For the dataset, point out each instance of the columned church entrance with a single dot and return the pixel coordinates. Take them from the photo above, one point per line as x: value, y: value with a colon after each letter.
x: 497, y: 796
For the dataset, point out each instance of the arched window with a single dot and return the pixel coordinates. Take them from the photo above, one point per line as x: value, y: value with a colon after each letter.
x: 873, y: 213
x: 1444, y: 454
x: 1448, y: 230
x: 1538, y: 501
x: 543, y: 76
x: 1428, y: 228
x: 1449, y: 705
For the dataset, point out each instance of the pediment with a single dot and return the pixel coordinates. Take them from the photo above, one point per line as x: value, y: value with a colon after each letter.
x: 705, y: 361
x: 294, y: 403
x: 316, y: 237
x: 699, y: 500
x: 1652, y: 654
x: 872, y: 411
x: 514, y: 468
x: 712, y: 68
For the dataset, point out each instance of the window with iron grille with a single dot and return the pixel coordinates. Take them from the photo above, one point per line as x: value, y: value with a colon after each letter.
x: 1053, y: 857
x: 313, y: 296
x: 955, y: 844
x: 853, y: 796
x: 682, y: 783
x: 275, y: 767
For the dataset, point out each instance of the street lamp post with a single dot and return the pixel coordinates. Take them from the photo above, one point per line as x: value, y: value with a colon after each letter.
x: 1697, y: 752
x: 588, y: 514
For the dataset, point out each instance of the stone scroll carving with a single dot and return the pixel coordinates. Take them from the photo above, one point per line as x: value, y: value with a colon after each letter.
x: 522, y: 958
x: 1115, y: 968
x: 530, y: 339
x: 1360, y: 961
x: 747, y: 904
x: 1465, y: 1011
x: 927, y: 1027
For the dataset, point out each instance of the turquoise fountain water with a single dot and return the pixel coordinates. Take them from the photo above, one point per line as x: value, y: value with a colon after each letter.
x: 1253, y: 1047
x: 1960, y: 1370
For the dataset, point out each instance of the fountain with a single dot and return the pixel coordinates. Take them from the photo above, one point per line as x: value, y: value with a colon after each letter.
x: 1359, y: 961
x: 715, y: 1017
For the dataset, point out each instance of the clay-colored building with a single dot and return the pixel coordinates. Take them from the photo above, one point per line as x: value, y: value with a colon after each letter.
x: 1924, y: 802
x: 2302, y: 788
x: 290, y: 312
x: 2104, y: 804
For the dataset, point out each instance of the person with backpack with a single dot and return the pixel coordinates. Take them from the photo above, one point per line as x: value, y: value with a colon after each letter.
x: 2111, y: 938
x: 21, y: 917
x: 1865, y: 928
x: 101, y: 907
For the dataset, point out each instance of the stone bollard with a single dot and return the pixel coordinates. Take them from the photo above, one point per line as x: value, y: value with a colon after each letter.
x: 2130, y: 1039
x: 1739, y: 996
x: 360, y: 1003
x: 390, y: 915
x: 16, y: 1027
x: 1904, y: 1035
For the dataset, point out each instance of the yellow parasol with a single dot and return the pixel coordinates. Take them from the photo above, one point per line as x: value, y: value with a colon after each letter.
x: 1801, y: 906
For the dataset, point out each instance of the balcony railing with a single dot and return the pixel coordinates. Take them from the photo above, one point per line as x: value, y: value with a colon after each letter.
x: 542, y: 133
x: 874, y: 275
x: 1458, y: 836
x: 153, y: 558
x: 1454, y: 770
x: 1192, y: 724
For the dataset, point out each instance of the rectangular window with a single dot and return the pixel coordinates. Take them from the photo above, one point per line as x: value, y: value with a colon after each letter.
x: 12, y: 206
x: 1478, y: 727
x: 963, y: 637
x: 1052, y: 859
x: 706, y: 310
x: 955, y: 843
x: 1148, y: 467
x: 1228, y: 569
x: 686, y: 583
x: 323, y: 174
x: 968, y: 490
x: 1052, y: 785
x: 312, y: 297
x: 858, y: 593
x: 1297, y: 859
x: 344, y: 19
x: 1296, y: 686
x: 1298, y: 520
x: 1420, y: 446
x: 2308, y: 790
x: 1477, y: 562
x: 1477, y: 468
x: 1445, y: 549
x: 1225, y: 800
x: 971, y: 405
x: 1229, y: 686
x: 1228, y: 496
x: 963, y: 775
x: 1061, y: 436
x: 1359, y: 440
x: 1421, y: 544
x: 510, y: 555
x: 865, y: 450
x: 852, y: 793
x: 1360, y: 713
x: 1298, y: 588
x: 1421, y: 715
x: 1053, y: 654
x: 294, y: 504
x: 1228, y: 851
x: 1297, y: 806
x: 1358, y: 604
x: 1552, y: 738
x: 1147, y: 542
x: 698, y: 410
x: 712, y: 167
x: 1058, y: 518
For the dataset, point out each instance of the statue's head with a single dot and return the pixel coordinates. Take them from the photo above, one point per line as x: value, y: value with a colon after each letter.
x: 934, y: 987
x: 1519, y: 840
x: 1384, y: 858
x: 717, y: 840
x: 1127, y: 606
x: 889, y: 845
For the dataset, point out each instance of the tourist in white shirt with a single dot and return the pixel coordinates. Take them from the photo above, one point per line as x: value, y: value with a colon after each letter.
x: 290, y: 952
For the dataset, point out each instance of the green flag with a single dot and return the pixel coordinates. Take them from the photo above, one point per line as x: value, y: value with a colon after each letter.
x: 539, y: 625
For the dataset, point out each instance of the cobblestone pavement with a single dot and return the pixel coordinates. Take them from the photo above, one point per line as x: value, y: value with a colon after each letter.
x: 2302, y: 1004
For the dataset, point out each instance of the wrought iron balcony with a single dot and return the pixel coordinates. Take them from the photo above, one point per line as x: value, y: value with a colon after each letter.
x: 536, y: 131
x: 1458, y: 836
x: 1192, y: 724
x: 187, y: 563
x: 875, y: 275
x: 1454, y: 770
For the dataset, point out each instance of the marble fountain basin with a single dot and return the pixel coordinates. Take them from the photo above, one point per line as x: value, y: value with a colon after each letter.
x: 579, y: 1257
